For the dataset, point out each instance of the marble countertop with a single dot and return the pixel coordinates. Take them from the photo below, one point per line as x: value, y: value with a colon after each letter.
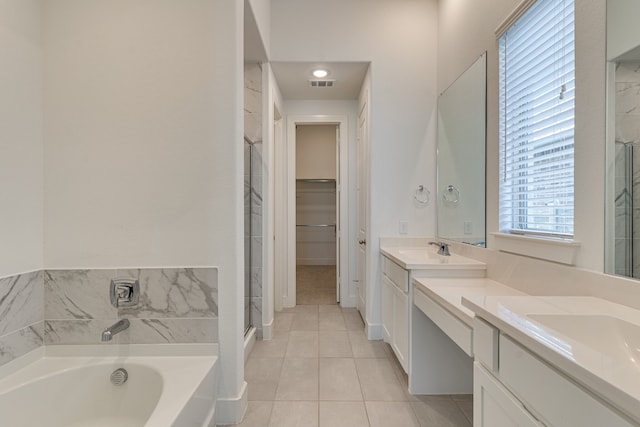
x: 448, y: 292
x: 426, y: 257
x: 593, y: 341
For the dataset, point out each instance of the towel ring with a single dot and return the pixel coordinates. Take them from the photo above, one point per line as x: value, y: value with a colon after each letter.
x: 422, y: 195
x: 451, y: 196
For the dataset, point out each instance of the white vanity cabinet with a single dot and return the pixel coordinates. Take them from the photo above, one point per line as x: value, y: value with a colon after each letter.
x: 395, y: 309
x: 514, y: 387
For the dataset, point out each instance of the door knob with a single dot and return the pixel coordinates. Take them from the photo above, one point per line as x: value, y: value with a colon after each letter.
x: 362, y: 242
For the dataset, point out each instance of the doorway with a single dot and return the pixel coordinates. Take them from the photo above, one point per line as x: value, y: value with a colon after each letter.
x: 317, y: 227
x: 316, y: 214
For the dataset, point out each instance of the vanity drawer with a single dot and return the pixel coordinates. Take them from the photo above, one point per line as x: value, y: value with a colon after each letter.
x: 569, y: 405
x: 396, y: 274
x: 455, y: 328
x: 485, y: 344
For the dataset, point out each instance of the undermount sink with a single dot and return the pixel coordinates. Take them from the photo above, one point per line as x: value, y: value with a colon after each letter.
x: 613, y: 337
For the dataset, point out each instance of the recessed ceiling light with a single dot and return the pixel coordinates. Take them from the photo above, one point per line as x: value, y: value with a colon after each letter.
x: 320, y: 73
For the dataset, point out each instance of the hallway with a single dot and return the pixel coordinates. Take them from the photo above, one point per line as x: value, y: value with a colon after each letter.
x: 320, y: 370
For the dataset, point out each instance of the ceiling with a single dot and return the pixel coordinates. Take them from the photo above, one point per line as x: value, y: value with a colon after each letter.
x: 293, y: 79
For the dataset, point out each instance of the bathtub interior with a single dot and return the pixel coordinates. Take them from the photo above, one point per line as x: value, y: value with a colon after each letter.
x: 72, y: 391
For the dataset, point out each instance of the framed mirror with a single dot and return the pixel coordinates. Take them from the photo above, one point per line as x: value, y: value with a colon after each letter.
x: 461, y: 158
x: 622, y: 207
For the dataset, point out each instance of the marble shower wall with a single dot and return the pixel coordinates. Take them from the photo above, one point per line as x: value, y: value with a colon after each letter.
x: 253, y: 177
x: 21, y: 315
x: 628, y: 199
x: 177, y: 305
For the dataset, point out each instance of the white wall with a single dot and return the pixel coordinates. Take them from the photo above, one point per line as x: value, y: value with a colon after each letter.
x: 316, y: 152
x: 130, y: 128
x: 143, y: 158
x: 466, y: 30
x: 399, y: 38
x: 21, y: 149
x: 262, y: 13
x: 624, y: 33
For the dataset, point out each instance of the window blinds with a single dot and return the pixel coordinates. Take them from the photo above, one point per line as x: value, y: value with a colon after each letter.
x: 537, y: 89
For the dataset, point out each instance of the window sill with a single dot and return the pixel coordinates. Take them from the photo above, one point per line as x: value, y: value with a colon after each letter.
x: 556, y: 250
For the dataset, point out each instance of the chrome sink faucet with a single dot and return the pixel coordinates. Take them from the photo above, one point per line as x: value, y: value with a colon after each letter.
x: 443, y: 248
x: 119, y: 326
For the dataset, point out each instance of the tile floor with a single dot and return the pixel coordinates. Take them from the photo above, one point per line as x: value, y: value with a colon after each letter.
x: 320, y: 370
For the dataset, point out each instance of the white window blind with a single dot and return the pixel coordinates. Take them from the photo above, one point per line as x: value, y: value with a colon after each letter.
x: 537, y: 88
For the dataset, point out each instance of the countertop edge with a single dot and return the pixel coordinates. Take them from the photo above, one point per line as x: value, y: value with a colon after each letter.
x: 604, y: 390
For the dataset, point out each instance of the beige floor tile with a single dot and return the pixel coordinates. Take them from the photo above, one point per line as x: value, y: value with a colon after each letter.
x: 353, y: 321
x: 305, y: 321
x: 257, y: 415
x: 294, y: 414
x: 343, y: 414
x: 441, y: 411
x: 262, y: 376
x: 298, y: 380
x: 302, y: 344
x: 339, y: 379
x: 378, y: 380
x: 275, y: 347
x: 312, y: 308
x: 283, y: 321
x: 391, y: 414
x: 362, y: 347
x: 334, y: 344
x: 331, y: 321
x: 323, y: 308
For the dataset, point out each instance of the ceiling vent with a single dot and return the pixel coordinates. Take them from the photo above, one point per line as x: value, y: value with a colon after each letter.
x: 322, y: 83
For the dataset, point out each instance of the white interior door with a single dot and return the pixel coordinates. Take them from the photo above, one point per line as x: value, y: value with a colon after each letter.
x: 362, y: 191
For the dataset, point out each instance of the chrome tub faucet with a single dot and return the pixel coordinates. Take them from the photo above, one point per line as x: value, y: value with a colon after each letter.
x: 119, y: 326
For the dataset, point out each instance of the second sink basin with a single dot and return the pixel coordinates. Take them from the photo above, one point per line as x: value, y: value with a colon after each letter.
x: 616, y: 338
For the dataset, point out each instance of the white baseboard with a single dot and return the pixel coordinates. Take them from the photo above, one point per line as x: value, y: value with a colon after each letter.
x: 267, y: 330
x: 373, y: 330
x: 249, y: 341
x: 348, y: 302
x: 230, y: 411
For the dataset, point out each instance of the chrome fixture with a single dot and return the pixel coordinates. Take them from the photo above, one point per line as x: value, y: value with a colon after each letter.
x: 119, y: 326
x: 124, y: 292
x: 443, y: 248
x: 119, y: 376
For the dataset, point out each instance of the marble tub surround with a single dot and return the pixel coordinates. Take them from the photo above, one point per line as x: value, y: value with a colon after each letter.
x: 21, y: 314
x: 591, y: 340
x: 177, y: 305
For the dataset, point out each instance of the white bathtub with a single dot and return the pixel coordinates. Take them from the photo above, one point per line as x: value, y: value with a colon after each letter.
x: 69, y: 386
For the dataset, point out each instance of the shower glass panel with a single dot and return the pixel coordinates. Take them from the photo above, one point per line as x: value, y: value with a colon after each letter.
x: 248, y: 202
x: 624, y: 209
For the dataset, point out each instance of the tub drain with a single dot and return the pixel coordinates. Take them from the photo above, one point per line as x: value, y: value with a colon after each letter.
x: 119, y: 376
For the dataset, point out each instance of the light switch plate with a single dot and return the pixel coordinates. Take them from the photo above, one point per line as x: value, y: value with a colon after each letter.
x: 404, y: 227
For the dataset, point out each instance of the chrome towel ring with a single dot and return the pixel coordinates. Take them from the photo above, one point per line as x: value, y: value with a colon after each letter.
x: 422, y: 195
x: 451, y: 196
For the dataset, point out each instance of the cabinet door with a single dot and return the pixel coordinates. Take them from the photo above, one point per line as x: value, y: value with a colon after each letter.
x: 494, y: 405
x: 387, y: 308
x: 401, y: 326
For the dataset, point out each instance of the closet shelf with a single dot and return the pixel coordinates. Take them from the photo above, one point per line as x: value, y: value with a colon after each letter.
x: 319, y: 180
x: 315, y: 225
